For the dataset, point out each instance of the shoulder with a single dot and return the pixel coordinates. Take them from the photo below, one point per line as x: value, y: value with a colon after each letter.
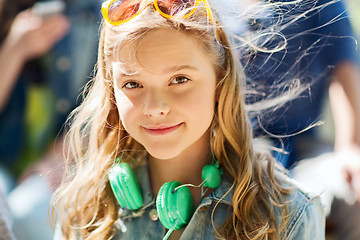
x: 305, y: 213
x: 304, y: 218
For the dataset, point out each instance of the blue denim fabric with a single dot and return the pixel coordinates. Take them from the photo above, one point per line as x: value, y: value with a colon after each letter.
x: 306, y: 219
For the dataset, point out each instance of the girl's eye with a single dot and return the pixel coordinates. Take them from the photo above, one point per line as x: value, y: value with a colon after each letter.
x: 132, y: 85
x: 179, y: 80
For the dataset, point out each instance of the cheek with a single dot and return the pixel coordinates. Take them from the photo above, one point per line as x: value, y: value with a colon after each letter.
x: 124, y: 105
x: 201, y: 100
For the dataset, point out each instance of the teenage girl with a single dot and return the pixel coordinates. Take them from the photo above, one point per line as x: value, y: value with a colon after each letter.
x: 162, y: 148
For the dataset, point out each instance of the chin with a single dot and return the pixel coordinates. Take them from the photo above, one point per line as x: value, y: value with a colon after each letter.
x: 163, y: 153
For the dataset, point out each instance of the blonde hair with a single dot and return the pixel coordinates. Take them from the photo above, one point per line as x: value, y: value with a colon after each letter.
x: 85, y: 204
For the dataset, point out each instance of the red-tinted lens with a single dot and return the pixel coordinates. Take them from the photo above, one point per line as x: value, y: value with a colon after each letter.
x: 122, y: 10
x: 172, y: 7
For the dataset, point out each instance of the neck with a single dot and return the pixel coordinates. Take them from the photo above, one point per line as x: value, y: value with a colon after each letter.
x: 185, y: 168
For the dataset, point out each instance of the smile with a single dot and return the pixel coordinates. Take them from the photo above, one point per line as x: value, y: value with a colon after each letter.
x: 161, y: 129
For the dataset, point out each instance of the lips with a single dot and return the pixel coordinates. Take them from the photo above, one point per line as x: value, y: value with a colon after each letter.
x: 161, y: 129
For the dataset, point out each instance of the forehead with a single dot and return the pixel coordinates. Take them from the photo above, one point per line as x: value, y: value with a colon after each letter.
x: 160, y: 48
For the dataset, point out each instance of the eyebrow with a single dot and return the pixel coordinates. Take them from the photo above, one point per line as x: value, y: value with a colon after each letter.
x: 167, y: 70
x: 178, y: 68
x: 129, y: 74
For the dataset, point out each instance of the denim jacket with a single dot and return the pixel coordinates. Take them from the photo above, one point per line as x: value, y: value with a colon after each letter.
x: 306, y: 215
x: 306, y: 220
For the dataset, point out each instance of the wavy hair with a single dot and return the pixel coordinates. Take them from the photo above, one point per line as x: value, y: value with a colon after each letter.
x: 85, y: 205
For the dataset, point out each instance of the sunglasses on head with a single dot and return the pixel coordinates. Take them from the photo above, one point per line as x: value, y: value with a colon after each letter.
x: 117, y: 12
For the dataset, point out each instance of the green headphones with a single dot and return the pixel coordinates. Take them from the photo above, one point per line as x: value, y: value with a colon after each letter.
x: 174, y: 202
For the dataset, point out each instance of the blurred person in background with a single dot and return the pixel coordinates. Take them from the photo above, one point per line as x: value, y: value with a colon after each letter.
x: 5, y: 220
x: 47, y: 52
x: 320, y: 52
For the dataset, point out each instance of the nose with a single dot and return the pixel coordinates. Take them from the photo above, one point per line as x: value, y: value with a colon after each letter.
x: 156, y: 104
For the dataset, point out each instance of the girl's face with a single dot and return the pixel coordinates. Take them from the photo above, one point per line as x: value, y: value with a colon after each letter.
x: 165, y: 92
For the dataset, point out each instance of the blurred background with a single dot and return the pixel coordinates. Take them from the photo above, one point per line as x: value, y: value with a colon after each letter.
x: 47, y: 54
x: 353, y: 8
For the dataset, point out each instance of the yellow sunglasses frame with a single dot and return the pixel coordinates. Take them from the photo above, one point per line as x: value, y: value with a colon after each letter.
x: 106, y: 5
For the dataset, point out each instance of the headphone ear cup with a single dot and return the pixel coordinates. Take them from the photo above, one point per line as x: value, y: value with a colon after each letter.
x: 175, y: 208
x: 211, y: 174
x: 125, y: 187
